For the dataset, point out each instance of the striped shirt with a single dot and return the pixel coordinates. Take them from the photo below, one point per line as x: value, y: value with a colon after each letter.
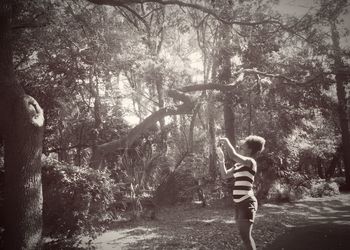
x: 244, y: 179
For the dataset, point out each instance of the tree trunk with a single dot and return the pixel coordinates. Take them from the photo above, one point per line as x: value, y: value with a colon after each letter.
x: 211, y: 121
x: 332, y: 166
x: 191, y: 130
x: 250, y: 113
x: 21, y: 127
x: 160, y: 94
x: 320, y: 170
x: 224, y: 77
x: 341, y: 79
x: 212, y: 141
x: 229, y: 118
x: 62, y: 154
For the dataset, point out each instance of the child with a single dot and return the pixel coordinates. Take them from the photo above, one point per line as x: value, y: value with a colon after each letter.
x: 244, y: 171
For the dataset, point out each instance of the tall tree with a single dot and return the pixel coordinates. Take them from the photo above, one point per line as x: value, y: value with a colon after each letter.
x: 21, y: 128
x: 341, y: 72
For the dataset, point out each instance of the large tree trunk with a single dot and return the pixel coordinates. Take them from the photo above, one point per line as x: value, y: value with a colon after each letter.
x: 21, y: 127
x: 341, y: 79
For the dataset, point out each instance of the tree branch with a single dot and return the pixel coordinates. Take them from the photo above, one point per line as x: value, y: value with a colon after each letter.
x: 208, y: 86
x: 54, y: 150
x: 234, y: 86
x: 137, y: 15
x: 183, y: 4
x: 186, y: 107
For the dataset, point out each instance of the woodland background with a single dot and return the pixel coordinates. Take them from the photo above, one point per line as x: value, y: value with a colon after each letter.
x: 135, y: 94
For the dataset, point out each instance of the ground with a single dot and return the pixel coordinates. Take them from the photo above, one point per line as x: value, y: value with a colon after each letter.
x: 313, y: 223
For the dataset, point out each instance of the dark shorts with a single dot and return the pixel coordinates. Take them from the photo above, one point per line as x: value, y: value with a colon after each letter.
x: 246, y: 209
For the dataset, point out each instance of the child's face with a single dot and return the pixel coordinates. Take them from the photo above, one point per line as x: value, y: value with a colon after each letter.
x: 244, y: 149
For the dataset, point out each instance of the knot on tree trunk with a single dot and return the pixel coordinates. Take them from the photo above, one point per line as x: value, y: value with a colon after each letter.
x: 33, y: 111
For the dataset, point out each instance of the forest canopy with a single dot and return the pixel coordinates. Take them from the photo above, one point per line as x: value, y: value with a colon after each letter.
x: 101, y: 69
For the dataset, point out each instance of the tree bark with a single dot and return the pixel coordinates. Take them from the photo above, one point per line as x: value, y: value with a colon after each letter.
x: 21, y: 127
x: 160, y: 94
x: 330, y: 171
x: 341, y: 80
x: 211, y: 124
x: 224, y: 77
x: 212, y: 141
x: 191, y: 130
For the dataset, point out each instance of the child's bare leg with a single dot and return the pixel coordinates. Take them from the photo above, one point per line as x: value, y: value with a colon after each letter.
x: 245, y: 230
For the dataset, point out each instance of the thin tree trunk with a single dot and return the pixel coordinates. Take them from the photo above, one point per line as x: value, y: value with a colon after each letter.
x: 191, y: 130
x: 160, y: 94
x: 229, y: 118
x: 341, y: 95
x: 212, y: 140
x: 63, y: 153
x: 211, y: 124
x: 21, y: 127
x: 332, y: 166
x: 224, y: 77
x: 250, y: 112
x: 320, y: 170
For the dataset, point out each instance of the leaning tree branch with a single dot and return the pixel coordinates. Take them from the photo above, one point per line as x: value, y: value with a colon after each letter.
x: 285, y: 78
x: 126, y: 142
x: 184, y: 4
x: 229, y: 21
x: 55, y: 150
x: 208, y: 86
x: 234, y: 86
x: 187, y: 107
x: 137, y: 16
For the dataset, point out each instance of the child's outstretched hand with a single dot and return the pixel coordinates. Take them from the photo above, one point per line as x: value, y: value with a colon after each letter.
x: 224, y: 141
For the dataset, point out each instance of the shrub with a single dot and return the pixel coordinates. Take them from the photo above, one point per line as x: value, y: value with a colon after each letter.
x: 339, y: 180
x: 289, y: 186
x: 320, y: 188
x: 76, y: 199
x: 279, y: 192
x: 178, y: 186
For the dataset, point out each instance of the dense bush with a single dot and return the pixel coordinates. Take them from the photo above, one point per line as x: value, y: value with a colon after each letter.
x: 178, y: 186
x: 316, y: 188
x: 322, y: 188
x: 76, y: 199
x: 339, y: 180
x: 283, y: 192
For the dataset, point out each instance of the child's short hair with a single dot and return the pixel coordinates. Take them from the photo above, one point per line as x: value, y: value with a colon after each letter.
x: 255, y: 143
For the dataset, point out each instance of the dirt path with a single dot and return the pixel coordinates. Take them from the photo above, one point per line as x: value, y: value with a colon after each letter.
x: 322, y: 224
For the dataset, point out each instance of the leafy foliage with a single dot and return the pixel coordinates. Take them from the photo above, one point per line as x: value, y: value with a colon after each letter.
x: 76, y: 200
x: 322, y: 188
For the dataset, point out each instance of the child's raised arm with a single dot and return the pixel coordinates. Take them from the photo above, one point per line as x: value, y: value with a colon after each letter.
x: 246, y: 161
x: 221, y: 159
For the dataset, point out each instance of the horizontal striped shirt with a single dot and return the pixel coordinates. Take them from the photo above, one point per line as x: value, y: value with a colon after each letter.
x: 244, y: 179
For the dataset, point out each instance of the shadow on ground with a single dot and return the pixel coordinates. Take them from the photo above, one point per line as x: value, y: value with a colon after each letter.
x: 326, y: 225
x: 318, y: 237
x: 312, y: 224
